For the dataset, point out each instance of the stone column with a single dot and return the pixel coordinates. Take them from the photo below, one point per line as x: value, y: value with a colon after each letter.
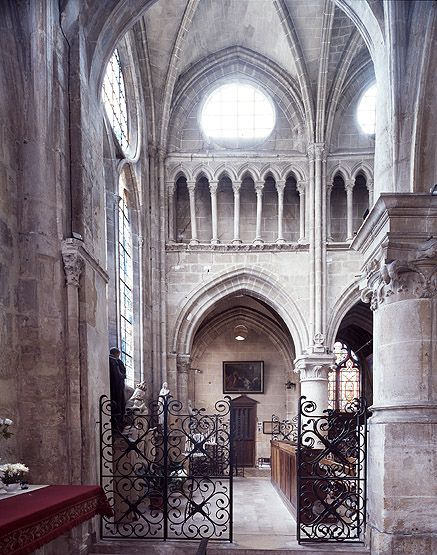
x: 349, y: 187
x: 301, y: 189
x: 400, y: 282
x: 259, y: 187
x: 213, y: 185
x: 236, y: 186
x: 183, y: 366
x: 369, y: 185
x: 192, y: 192
x: 73, y: 268
x: 319, y: 152
x: 171, y: 189
x: 313, y: 371
x: 328, y: 211
x: 280, y: 187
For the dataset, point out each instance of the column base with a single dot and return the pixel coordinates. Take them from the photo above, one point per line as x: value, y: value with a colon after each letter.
x: 387, y: 544
x: 215, y: 242
x: 257, y: 242
x: 237, y: 241
x: 280, y: 241
x: 194, y: 242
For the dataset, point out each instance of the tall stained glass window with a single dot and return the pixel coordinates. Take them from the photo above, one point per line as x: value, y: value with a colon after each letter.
x: 114, y: 99
x: 125, y: 268
x: 344, y: 381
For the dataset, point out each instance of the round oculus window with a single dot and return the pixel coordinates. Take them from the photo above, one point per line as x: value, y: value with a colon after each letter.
x: 237, y: 114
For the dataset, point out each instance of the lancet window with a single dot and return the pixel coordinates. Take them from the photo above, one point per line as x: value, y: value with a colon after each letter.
x: 114, y: 99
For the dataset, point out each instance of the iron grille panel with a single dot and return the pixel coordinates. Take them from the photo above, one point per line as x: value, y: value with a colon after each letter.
x: 331, y: 476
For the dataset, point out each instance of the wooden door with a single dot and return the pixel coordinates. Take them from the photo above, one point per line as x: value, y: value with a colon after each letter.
x: 244, y: 418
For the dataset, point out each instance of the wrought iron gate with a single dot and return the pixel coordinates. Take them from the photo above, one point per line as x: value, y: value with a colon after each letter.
x: 166, y: 471
x: 331, y: 476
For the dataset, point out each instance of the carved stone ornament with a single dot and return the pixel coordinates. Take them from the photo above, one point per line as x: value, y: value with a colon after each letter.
x: 73, y: 266
x: 310, y: 372
x: 402, y: 279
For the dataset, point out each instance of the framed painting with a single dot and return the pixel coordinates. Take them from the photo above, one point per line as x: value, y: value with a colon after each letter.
x: 243, y: 377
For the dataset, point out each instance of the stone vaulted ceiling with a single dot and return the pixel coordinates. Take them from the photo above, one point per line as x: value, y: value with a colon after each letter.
x: 312, y: 40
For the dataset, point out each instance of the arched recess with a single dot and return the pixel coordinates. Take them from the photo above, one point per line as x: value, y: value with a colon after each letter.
x: 259, y: 284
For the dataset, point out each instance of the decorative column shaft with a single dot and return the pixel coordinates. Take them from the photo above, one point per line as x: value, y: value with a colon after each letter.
x: 213, y: 185
x: 183, y: 366
x: 301, y: 190
x: 319, y: 151
x: 349, y: 186
x: 171, y: 189
x: 236, y: 186
x: 259, y: 187
x: 73, y: 267
x: 192, y: 192
x: 369, y: 185
x: 328, y: 211
x: 280, y: 187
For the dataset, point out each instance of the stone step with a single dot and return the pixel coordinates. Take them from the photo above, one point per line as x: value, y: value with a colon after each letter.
x: 169, y: 547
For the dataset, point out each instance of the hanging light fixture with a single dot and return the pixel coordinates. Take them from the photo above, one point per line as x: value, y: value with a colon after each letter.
x: 240, y: 332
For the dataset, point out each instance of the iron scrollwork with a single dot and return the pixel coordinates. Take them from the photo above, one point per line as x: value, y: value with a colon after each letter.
x: 331, y: 479
x: 167, y: 471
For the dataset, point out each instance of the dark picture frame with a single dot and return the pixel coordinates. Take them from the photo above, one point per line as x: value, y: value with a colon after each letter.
x: 243, y: 376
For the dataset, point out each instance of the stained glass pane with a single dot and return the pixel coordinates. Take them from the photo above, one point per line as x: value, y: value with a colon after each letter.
x: 344, y: 381
x: 125, y: 268
x: 114, y: 99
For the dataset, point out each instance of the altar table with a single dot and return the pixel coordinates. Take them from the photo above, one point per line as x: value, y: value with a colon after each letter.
x: 30, y: 520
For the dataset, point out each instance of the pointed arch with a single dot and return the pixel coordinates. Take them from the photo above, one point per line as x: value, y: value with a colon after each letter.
x: 202, y: 171
x: 270, y: 171
x: 225, y: 170
x: 248, y: 171
x: 363, y: 168
x: 251, y: 281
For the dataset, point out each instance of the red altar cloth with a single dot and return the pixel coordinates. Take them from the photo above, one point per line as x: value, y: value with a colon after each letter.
x: 32, y: 519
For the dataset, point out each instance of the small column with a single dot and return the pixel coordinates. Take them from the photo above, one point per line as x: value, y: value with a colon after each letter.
x: 213, y: 185
x: 301, y: 190
x: 236, y: 186
x: 171, y: 189
x: 183, y: 366
x: 313, y: 371
x: 369, y: 186
x: 349, y: 187
x: 328, y: 212
x: 280, y: 187
x: 192, y: 192
x: 259, y: 187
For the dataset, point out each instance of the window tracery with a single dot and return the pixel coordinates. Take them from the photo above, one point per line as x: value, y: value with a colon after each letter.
x: 114, y: 99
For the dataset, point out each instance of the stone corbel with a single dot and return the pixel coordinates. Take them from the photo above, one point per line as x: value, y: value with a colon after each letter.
x: 73, y: 264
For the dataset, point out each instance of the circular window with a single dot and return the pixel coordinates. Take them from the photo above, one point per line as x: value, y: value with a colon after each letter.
x: 237, y: 114
x: 366, y: 111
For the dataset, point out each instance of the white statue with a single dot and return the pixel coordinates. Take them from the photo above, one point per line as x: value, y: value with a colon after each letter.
x: 137, y: 401
x: 162, y: 394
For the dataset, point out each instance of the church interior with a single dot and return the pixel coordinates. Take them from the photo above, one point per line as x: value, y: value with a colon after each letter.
x: 237, y: 198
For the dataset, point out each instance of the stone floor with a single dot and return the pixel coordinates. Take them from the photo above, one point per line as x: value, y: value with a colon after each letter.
x: 262, y: 525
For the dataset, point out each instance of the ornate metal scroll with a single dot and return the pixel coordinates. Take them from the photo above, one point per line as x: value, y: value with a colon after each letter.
x: 331, y: 480
x: 284, y: 430
x: 167, y: 471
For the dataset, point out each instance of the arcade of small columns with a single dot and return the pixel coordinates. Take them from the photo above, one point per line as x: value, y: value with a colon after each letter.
x: 280, y: 184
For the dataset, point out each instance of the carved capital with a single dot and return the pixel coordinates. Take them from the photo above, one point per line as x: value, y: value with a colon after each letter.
x: 236, y: 186
x: 191, y: 186
x: 369, y: 184
x: 73, y: 265
x: 171, y: 188
x: 183, y: 363
x: 213, y: 185
x: 314, y: 367
x: 349, y: 185
x: 259, y: 187
x: 280, y: 186
x: 395, y: 280
x: 301, y: 187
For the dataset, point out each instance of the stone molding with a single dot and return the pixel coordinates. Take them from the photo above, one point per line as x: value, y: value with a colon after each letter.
x: 236, y: 247
x: 213, y: 185
x: 388, y: 282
